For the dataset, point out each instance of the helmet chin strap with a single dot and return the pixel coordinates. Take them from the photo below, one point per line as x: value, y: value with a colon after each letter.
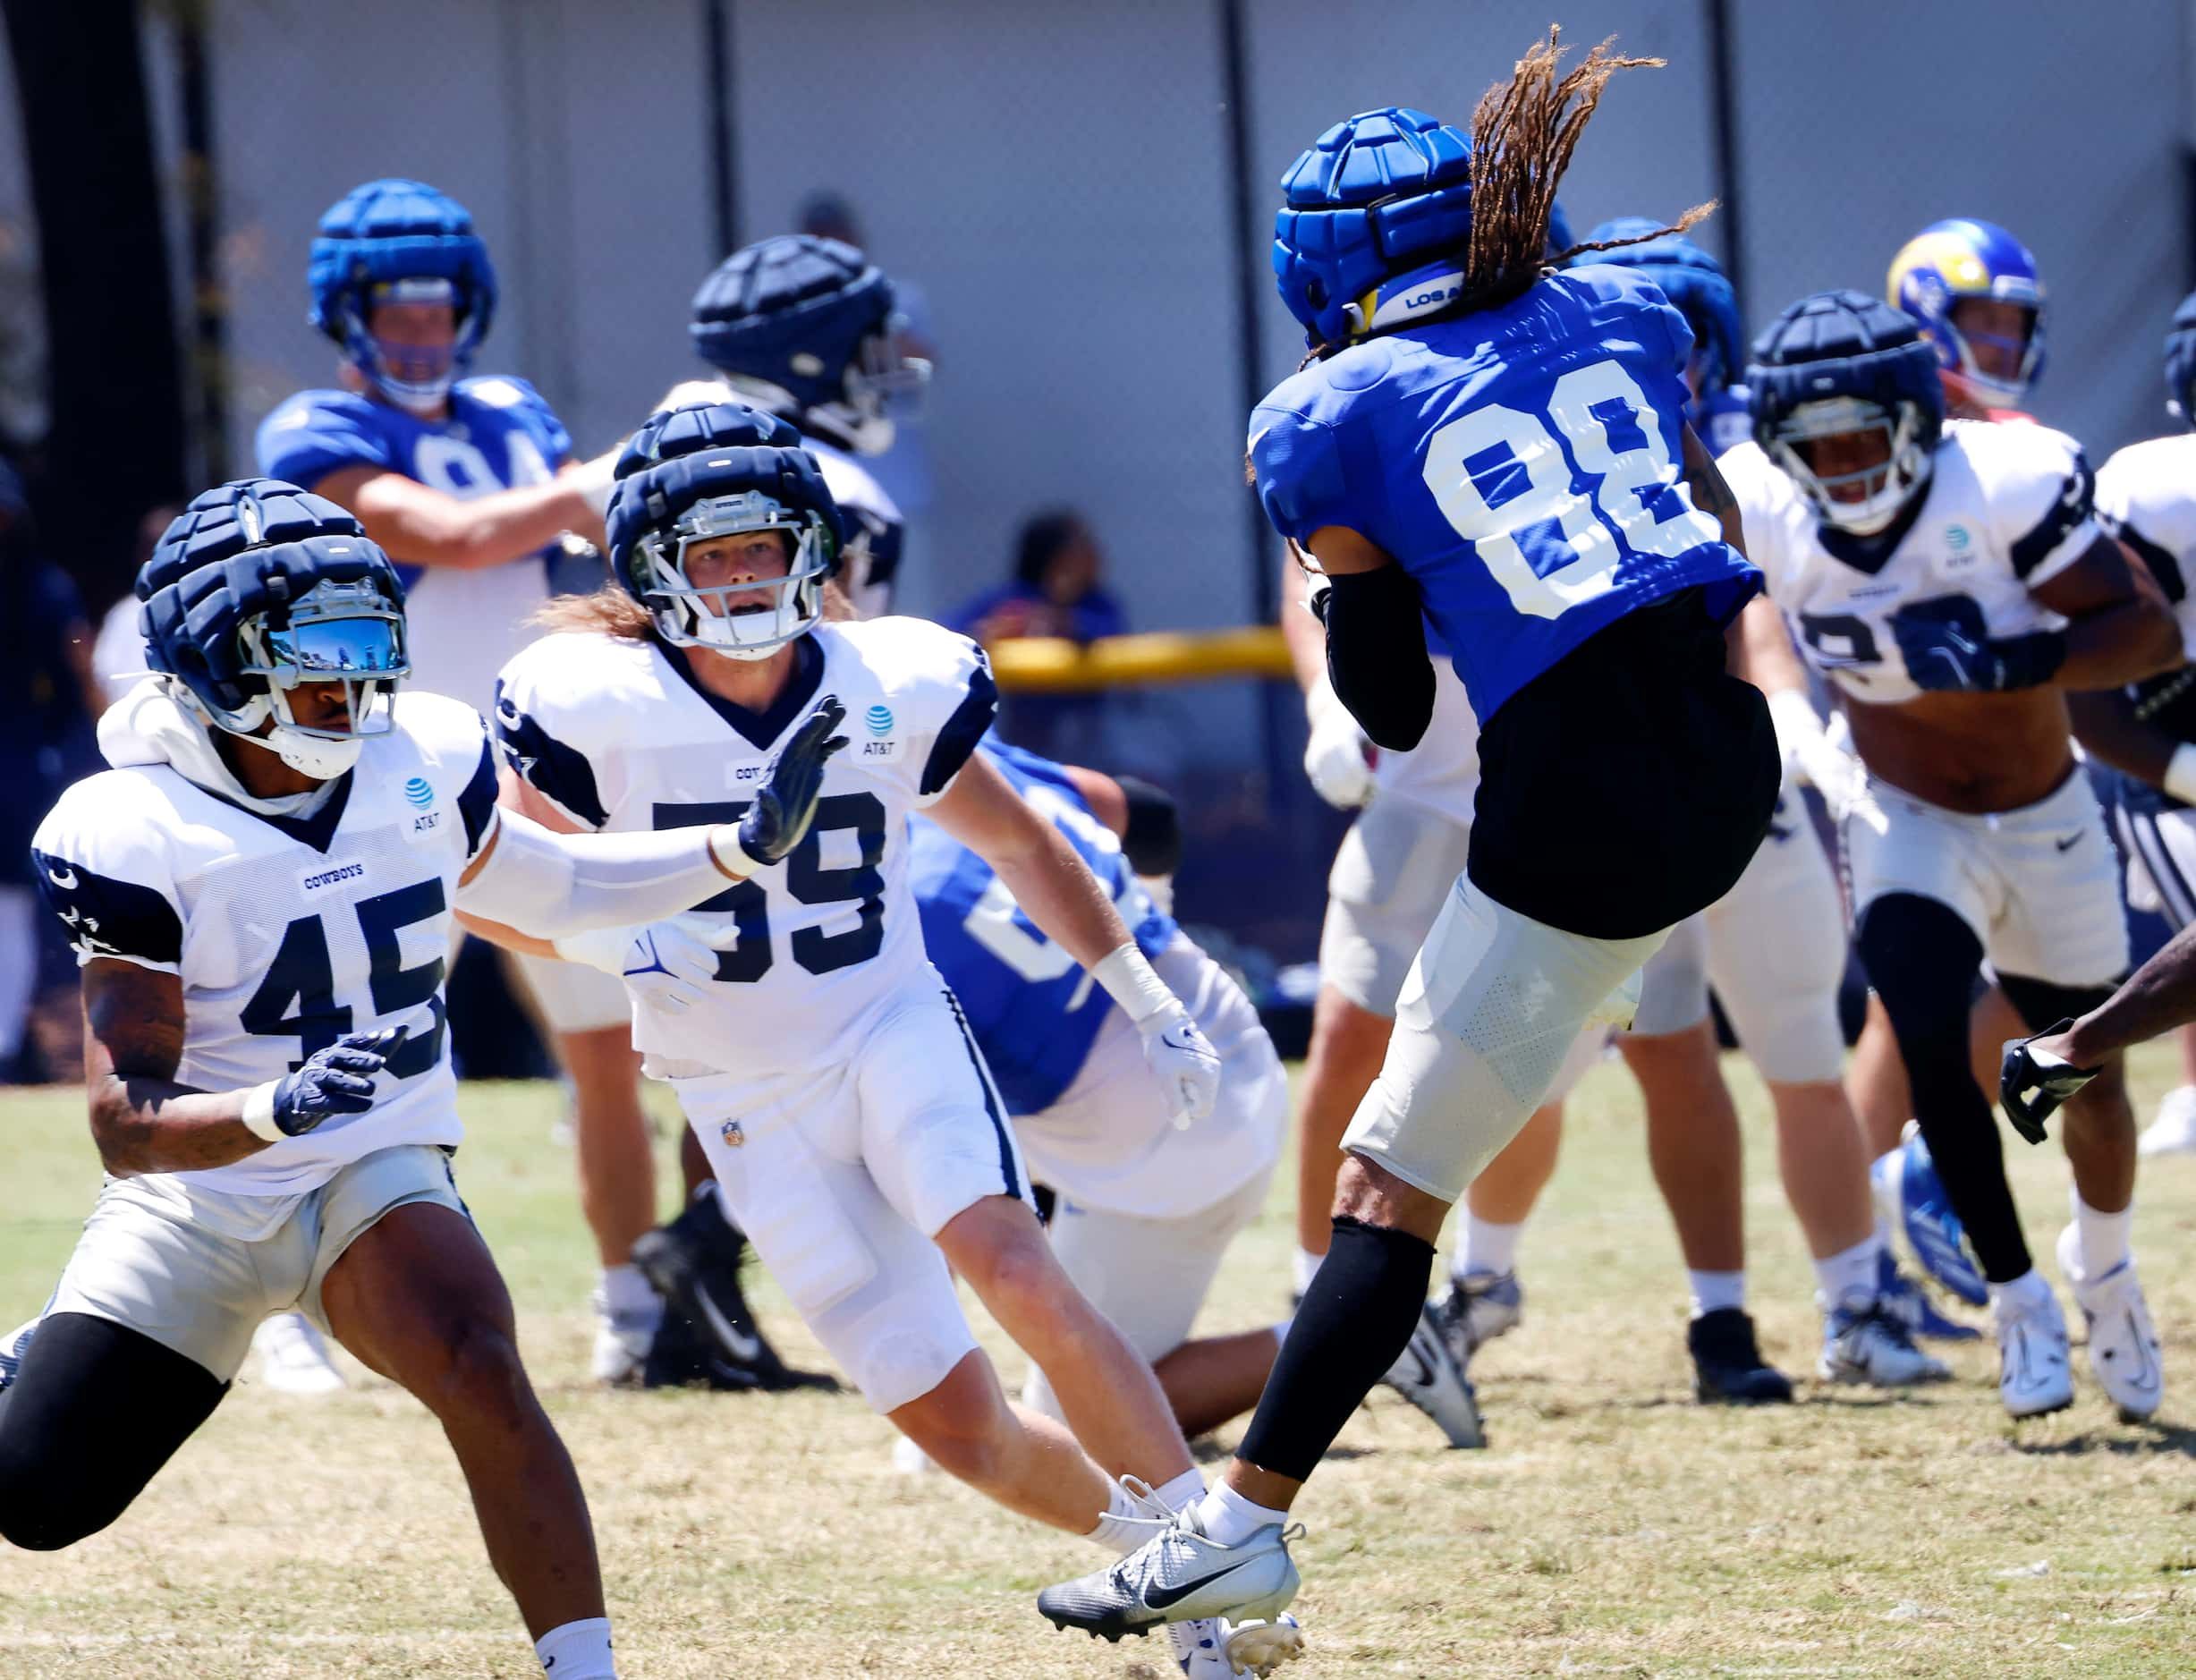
x: 310, y: 755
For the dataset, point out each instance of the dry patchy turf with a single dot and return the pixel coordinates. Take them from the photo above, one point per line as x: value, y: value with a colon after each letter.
x: 1613, y: 1527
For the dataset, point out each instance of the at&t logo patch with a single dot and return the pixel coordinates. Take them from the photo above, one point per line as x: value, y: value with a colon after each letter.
x: 418, y: 792
x: 879, y: 720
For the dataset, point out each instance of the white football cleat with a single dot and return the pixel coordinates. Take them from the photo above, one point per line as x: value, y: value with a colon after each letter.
x: 1428, y: 1375
x: 1862, y: 1343
x: 621, y: 1342
x: 2033, y: 1374
x: 1259, y: 1647
x: 2125, y: 1355
x: 294, y: 1359
x: 2173, y: 1132
x: 1179, y: 1575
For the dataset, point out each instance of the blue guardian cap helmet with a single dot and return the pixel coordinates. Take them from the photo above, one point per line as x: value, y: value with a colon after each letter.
x: 1375, y: 223
x: 1696, y: 285
x: 693, y: 476
x: 1948, y: 262
x: 259, y: 588
x: 807, y: 328
x: 400, y: 241
x: 1837, y: 363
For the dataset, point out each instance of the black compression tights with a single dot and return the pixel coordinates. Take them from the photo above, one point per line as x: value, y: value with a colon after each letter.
x: 93, y: 1414
x: 1921, y: 958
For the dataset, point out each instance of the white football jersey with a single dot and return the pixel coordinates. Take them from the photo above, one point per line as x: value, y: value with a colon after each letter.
x: 618, y: 735
x: 1442, y: 772
x: 288, y: 932
x: 2146, y: 497
x: 2006, y: 508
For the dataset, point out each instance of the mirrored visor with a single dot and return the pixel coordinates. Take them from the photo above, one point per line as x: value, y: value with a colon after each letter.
x: 318, y: 650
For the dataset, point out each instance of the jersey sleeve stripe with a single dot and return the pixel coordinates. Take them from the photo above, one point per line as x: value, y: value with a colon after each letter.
x: 962, y: 731
x: 559, y: 773
x: 2073, y: 509
x: 105, y: 917
x: 476, y: 803
x: 2163, y: 566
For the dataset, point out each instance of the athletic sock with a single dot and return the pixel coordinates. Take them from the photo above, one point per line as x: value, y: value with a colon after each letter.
x: 2105, y: 1238
x: 1126, y: 1525
x: 1712, y: 1292
x: 578, y: 1650
x: 1304, y: 1268
x: 1850, y: 1275
x: 2029, y: 1291
x: 627, y: 1294
x: 1226, y: 1516
x: 1185, y: 1490
x: 1484, y: 1246
x: 1351, y: 1325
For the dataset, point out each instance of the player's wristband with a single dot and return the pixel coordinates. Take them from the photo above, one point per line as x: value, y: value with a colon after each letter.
x: 2181, y: 774
x: 258, y: 1114
x: 1130, y: 981
x: 729, y: 854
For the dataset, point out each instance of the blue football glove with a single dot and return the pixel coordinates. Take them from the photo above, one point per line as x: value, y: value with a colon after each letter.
x: 1940, y: 655
x: 2032, y: 1082
x: 778, y: 819
x: 338, y: 1080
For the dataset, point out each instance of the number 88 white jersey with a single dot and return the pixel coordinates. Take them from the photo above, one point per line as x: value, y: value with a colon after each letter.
x: 2007, y: 508
x: 618, y: 735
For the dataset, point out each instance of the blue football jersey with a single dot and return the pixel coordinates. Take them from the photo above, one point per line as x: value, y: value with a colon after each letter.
x: 1034, y: 1010
x: 499, y: 435
x: 1522, y: 463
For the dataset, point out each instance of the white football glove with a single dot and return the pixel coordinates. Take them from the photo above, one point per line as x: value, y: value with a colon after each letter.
x: 1811, y: 756
x: 1187, y: 1065
x: 663, y: 965
x: 1337, y: 757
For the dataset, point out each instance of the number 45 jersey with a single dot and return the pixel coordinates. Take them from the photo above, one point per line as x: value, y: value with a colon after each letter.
x: 286, y: 932
x: 2007, y: 508
x: 1522, y: 463
x: 619, y: 734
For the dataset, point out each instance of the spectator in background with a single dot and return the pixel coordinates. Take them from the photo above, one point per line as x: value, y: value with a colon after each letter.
x: 1056, y: 591
x: 904, y: 469
x: 46, y: 690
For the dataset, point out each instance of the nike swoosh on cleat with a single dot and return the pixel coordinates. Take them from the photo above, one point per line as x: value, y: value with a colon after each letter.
x: 747, y: 1347
x: 1165, y: 1598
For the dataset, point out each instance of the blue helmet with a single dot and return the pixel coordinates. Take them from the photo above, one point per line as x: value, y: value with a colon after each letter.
x: 1696, y: 285
x: 1838, y: 362
x: 1560, y: 237
x: 1947, y: 261
x: 1376, y: 220
x: 695, y: 474
x: 805, y: 327
x: 400, y: 241
x: 257, y: 587
x: 2181, y: 362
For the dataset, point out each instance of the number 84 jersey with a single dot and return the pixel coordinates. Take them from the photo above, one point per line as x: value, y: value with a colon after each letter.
x: 620, y: 734
x: 2007, y: 508
x: 1522, y: 463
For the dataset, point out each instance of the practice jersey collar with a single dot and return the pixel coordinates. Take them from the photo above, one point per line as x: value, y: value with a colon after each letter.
x: 1872, y: 554
x: 760, y: 729
x: 317, y: 830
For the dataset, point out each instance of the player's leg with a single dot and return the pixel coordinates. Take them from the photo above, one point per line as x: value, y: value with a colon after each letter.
x: 1876, y: 1081
x: 151, y: 1322
x: 405, y: 1283
x: 1389, y: 880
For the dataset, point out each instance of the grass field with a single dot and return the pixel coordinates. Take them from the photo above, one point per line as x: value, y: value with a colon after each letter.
x: 1613, y: 1527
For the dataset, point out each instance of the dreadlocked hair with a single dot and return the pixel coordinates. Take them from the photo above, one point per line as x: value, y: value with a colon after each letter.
x: 1522, y: 135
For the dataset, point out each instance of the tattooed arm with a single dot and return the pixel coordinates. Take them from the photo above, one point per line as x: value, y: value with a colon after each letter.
x: 141, y: 1119
x: 1710, y: 493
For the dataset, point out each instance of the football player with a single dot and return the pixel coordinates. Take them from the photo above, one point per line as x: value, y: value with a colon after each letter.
x: 259, y: 893
x: 1972, y: 289
x: 1952, y: 580
x: 2144, y: 732
x: 854, y: 1134
x: 802, y: 328
x: 468, y: 482
x: 1500, y: 449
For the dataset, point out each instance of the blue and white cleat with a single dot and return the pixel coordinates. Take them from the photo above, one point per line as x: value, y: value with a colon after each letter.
x: 1180, y: 1575
x: 1900, y: 1297
x: 2124, y: 1353
x: 1864, y: 1343
x: 1429, y: 1375
x: 1217, y: 1650
x: 1910, y: 1195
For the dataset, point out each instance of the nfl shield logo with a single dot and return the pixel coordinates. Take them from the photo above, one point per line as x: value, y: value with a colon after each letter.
x: 733, y: 1137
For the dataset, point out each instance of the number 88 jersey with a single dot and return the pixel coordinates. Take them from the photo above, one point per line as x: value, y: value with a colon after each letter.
x: 1522, y: 463
x: 619, y: 734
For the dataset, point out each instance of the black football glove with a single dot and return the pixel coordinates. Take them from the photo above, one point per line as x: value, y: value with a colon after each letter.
x: 778, y: 819
x: 338, y: 1080
x: 2032, y: 1084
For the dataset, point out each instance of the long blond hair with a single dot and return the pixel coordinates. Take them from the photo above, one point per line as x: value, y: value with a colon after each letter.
x: 610, y: 611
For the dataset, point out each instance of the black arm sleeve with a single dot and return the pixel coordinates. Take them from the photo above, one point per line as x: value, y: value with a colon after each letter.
x: 1375, y: 655
x: 1153, y: 843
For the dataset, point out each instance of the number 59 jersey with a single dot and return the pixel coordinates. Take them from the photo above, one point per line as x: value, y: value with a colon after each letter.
x: 620, y: 734
x: 286, y: 932
x: 2006, y: 508
x: 1522, y: 463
